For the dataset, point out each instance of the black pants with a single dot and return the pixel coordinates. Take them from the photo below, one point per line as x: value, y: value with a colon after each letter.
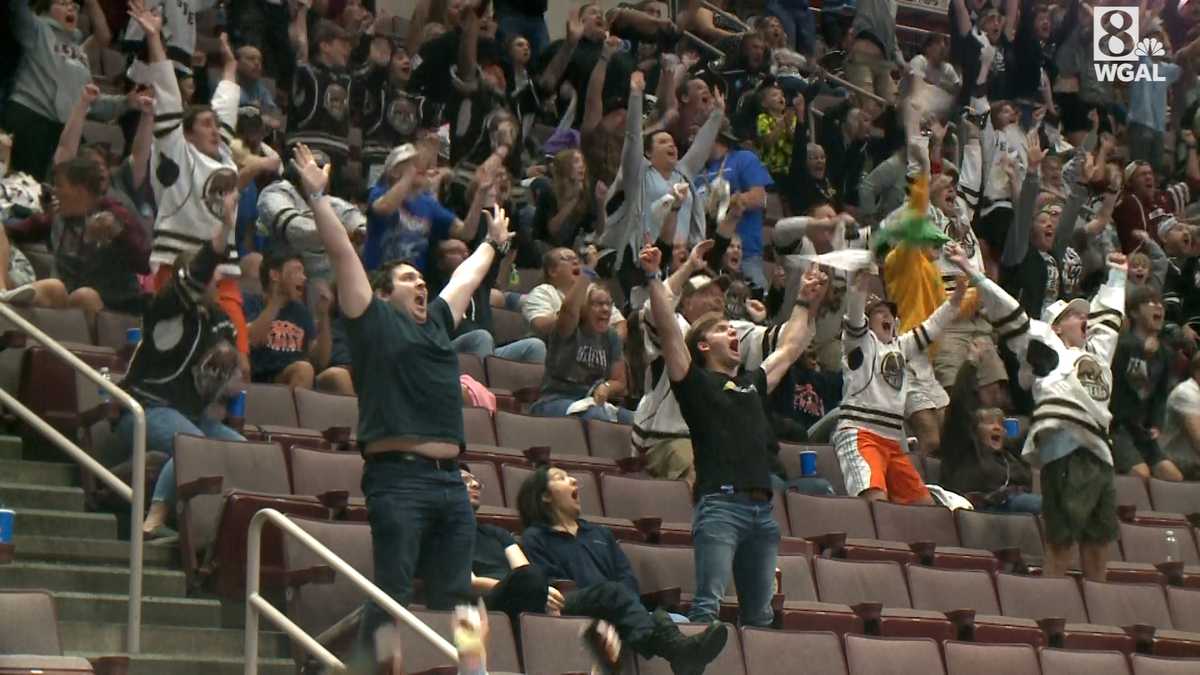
x: 34, y: 140
x: 524, y: 590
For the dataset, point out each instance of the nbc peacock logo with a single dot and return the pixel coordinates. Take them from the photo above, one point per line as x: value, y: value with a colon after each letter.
x: 1117, y: 53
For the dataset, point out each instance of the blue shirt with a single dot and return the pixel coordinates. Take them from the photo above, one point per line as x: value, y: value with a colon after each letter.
x: 1148, y: 100
x: 406, y: 234
x: 590, y: 557
x: 744, y: 171
x: 288, y: 341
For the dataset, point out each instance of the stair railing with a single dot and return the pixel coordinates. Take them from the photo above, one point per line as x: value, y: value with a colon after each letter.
x: 135, y: 494
x: 257, y: 606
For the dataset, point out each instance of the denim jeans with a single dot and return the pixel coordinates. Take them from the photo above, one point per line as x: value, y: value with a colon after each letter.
x: 739, y: 534
x: 1026, y: 502
x: 798, y: 22
x: 162, y: 424
x: 532, y: 28
x: 556, y: 406
x: 805, y: 485
x: 481, y: 343
x: 422, y: 525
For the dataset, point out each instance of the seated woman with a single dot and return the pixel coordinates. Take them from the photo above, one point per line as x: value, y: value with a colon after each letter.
x: 974, y: 455
x: 584, y: 358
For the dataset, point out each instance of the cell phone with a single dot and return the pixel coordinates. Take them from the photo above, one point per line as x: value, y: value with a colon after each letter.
x: 594, y: 642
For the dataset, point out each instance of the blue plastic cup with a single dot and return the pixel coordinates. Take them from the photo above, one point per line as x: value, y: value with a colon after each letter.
x: 1012, y: 427
x: 237, y: 406
x: 133, y: 336
x: 7, y: 516
x: 808, y: 463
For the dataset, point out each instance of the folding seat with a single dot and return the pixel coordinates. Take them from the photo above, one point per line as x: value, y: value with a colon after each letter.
x: 1175, y: 497
x: 825, y: 519
x: 1001, y: 531
x: 933, y: 469
x: 315, y: 473
x: 111, y: 328
x: 516, y: 378
x: 969, y: 658
x: 220, y: 486
x: 827, y: 463
x: 420, y: 655
x: 1147, y: 544
x: 64, y: 325
x: 879, y: 656
x: 30, y: 641
x: 608, y: 439
x: 270, y: 405
x: 1184, y: 604
x: 477, y: 426
x: 1132, y: 490
x: 320, y: 411
x: 527, y: 279
x: 563, y: 435
x: 1071, y: 662
x: 801, y: 608
x: 589, y: 493
x: 932, y: 524
x: 663, y: 568
x: 507, y: 326
x: 855, y: 583
x: 47, y: 384
x: 471, y: 364
x: 780, y: 652
x: 728, y: 662
x: 550, y: 645
x: 952, y: 591
x: 636, y: 498
x: 1139, y: 604
x: 492, y: 493
x: 1157, y: 665
x: 1044, y: 598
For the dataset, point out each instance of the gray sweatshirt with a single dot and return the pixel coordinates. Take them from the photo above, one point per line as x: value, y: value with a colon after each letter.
x: 877, y: 17
x: 54, y: 68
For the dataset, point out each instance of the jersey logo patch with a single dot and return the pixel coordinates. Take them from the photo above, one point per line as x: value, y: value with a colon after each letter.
x: 167, y: 172
x: 1094, y: 378
x: 219, y: 183
x: 855, y: 358
x: 336, y: 101
x: 892, y: 369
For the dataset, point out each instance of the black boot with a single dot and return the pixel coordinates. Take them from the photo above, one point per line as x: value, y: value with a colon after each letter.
x: 687, y: 655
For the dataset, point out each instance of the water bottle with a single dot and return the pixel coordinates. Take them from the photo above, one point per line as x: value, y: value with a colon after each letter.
x: 105, y: 397
x: 1172, y: 546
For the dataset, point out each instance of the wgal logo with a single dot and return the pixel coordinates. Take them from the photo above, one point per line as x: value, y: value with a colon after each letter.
x: 1116, y: 51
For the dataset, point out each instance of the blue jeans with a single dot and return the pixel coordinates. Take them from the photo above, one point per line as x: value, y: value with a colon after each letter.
x: 798, y: 22
x: 805, y: 485
x: 532, y: 28
x: 481, y: 343
x: 1026, y: 502
x: 422, y: 525
x: 162, y: 424
x: 556, y: 406
x: 734, y: 532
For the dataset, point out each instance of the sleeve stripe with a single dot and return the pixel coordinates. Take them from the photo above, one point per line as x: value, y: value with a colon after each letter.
x: 283, y: 228
x: 168, y: 117
x: 1106, y: 312
x: 1011, y: 316
x: 1016, y: 333
x: 925, y: 333
x: 159, y: 133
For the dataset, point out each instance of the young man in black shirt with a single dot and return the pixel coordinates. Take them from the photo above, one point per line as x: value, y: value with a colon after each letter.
x: 733, y: 443
x: 410, y: 408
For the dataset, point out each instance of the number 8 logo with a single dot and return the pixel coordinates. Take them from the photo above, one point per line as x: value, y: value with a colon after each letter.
x: 1118, y: 41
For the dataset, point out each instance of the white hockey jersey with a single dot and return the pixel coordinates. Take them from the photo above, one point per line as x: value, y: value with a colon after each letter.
x: 1071, y: 387
x: 875, y: 385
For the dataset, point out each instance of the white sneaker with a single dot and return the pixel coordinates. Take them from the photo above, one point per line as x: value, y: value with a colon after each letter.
x: 21, y: 295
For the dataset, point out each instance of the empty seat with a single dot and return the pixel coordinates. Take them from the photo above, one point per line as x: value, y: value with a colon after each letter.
x: 1071, y: 662
x: 563, y: 435
x: 1126, y: 604
x: 492, y: 492
x: 728, y: 662
x: 315, y: 607
x: 1039, y: 598
x: 948, y: 590
x: 28, y: 623
x: 814, y: 517
x: 879, y: 656
x: 320, y: 411
x: 271, y: 405
x: 1157, y: 665
x: 507, y: 326
x: 995, y: 531
x: 420, y: 655
x: 1148, y: 544
x: 633, y: 498
x: 64, y: 325
x: 855, y: 582
x: 797, y: 582
x: 48, y: 384
x: 470, y: 364
x: 659, y: 567
x: 550, y: 645
x: 1184, y: 604
x: 1175, y: 497
x: 968, y: 658
x: 608, y: 439
x: 917, y: 523
x: 477, y: 426
x: 1132, y: 490
x: 776, y: 652
x: 315, y: 472
x: 589, y: 494
x: 513, y: 376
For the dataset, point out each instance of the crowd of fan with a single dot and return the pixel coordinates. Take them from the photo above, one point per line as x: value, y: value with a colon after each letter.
x: 717, y: 148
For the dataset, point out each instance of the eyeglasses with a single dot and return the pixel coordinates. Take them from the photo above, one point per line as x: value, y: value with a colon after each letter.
x: 472, y: 482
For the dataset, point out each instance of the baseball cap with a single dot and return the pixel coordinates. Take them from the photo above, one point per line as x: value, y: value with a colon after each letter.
x: 700, y: 282
x: 1058, y: 308
x: 400, y: 153
x: 874, y: 301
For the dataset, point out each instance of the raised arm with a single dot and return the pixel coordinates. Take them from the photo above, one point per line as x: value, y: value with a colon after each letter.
x: 674, y: 350
x: 101, y: 35
x: 797, y: 332
x: 72, y: 133
x: 567, y: 321
x: 353, y: 286
x: 416, y: 26
x: 470, y: 273
x: 593, y: 107
x: 468, y: 49
x: 631, y: 151
x: 298, y: 32
x: 553, y: 72
x: 143, y: 138
x: 697, y: 155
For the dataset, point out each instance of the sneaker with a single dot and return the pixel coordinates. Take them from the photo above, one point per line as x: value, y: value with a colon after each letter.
x: 21, y: 295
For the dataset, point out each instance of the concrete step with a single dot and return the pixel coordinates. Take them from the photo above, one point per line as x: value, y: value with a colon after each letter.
x: 114, y: 608
x: 50, y: 523
x: 109, y: 638
x: 162, y: 664
x: 96, y: 551
x: 49, y: 497
x: 91, y: 578
x: 39, y: 473
x: 10, y: 447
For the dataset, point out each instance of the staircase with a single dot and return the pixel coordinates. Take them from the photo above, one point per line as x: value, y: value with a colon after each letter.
x: 78, y: 557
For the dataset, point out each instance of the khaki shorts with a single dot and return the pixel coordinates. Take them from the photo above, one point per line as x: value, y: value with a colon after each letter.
x: 671, y: 459
x: 924, y: 392
x: 953, y: 347
x: 1079, y: 500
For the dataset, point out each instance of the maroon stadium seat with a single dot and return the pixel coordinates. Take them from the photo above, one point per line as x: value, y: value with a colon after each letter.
x: 563, y: 435
x: 879, y: 656
x: 967, y: 658
x: 270, y: 404
x: 320, y: 411
x: 1070, y: 662
x: 934, y: 524
x: 776, y: 652
x: 856, y: 582
x: 550, y: 645
x: 817, y: 518
x: 589, y: 494
x: 949, y: 590
x: 1040, y: 598
x: 608, y: 439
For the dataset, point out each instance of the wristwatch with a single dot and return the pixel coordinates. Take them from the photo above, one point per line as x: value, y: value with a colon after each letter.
x: 314, y: 196
x: 651, y: 276
x: 501, y: 249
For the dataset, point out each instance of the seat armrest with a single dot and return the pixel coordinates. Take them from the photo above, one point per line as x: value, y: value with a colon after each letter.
x: 317, y: 574
x: 335, y: 500
x: 110, y: 665
x: 208, y: 485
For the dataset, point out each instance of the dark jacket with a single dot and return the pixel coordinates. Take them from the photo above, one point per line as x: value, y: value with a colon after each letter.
x: 590, y: 557
x: 965, y: 466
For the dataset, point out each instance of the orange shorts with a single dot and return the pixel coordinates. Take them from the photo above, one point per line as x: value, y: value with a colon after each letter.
x: 871, y: 462
x: 229, y: 298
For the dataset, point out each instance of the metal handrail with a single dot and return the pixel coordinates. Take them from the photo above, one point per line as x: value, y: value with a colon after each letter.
x: 256, y: 604
x: 135, y: 494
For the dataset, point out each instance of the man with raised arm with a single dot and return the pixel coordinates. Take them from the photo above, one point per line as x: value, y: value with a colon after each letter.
x: 410, y: 426
x: 734, y: 443
x: 1066, y: 362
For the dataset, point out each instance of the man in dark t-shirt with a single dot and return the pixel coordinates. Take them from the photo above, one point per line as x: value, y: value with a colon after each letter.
x: 733, y: 443
x: 410, y: 426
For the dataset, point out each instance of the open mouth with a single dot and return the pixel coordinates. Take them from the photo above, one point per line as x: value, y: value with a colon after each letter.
x: 1156, y: 316
x: 996, y: 439
x: 421, y: 300
x: 734, y: 345
x: 887, y: 326
x: 575, y: 495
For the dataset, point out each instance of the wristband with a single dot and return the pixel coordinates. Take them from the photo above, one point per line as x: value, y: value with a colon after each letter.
x: 314, y: 196
x: 501, y: 249
x: 652, y: 276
